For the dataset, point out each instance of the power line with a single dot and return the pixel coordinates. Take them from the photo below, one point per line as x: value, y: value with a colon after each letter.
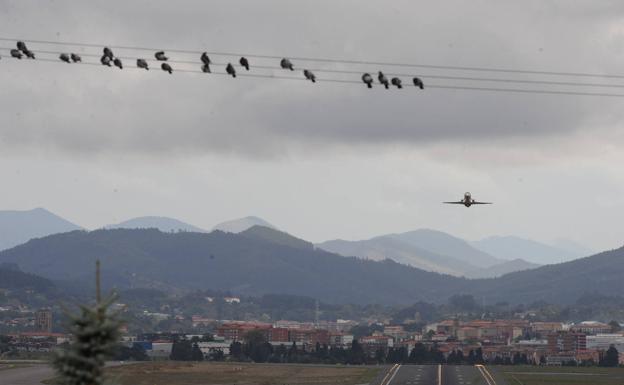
x: 329, y: 60
x: 422, y: 76
x: 429, y: 86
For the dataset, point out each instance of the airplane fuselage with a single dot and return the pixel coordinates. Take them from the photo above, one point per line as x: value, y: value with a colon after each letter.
x: 468, y: 201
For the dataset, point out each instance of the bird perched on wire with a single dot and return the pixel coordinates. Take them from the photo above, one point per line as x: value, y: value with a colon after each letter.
x: 244, y: 62
x: 105, y: 60
x: 160, y: 55
x: 16, y: 53
x: 309, y: 75
x: 286, y: 64
x: 76, y: 58
x: 117, y: 62
x: 230, y: 70
x: 368, y: 80
x: 108, y: 53
x: 64, y: 57
x: 21, y: 46
x: 383, y: 79
x: 396, y: 82
x: 141, y: 63
x: 206, y: 62
x: 166, y: 67
x: 419, y: 83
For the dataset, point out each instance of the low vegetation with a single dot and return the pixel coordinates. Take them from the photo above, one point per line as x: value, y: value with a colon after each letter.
x: 173, y: 373
x: 532, y: 375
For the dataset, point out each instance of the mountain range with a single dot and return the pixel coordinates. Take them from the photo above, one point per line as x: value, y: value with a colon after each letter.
x: 242, y: 263
x: 163, y: 224
x: 425, y: 249
x: 432, y: 251
x: 242, y: 224
x: 510, y: 247
x: 261, y: 260
x: 17, y: 227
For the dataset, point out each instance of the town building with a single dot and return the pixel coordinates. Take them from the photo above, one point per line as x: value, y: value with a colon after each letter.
x: 43, y: 320
x: 591, y: 328
x: 566, y: 342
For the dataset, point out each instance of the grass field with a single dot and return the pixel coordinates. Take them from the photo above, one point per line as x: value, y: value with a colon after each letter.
x: 531, y: 375
x: 171, y: 373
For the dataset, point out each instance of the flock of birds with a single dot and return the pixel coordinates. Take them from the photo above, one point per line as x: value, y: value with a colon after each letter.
x: 109, y: 59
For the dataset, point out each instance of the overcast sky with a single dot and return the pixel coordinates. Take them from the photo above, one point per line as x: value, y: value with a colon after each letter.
x: 326, y: 160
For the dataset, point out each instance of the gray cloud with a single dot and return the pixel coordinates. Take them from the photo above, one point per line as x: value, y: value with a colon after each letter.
x: 93, y: 110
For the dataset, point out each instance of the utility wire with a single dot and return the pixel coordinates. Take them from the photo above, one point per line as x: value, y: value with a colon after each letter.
x: 378, y: 86
x: 328, y: 60
x: 324, y: 70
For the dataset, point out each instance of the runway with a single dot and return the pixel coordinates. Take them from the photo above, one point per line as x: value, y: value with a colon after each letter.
x: 31, y: 375
x: 440, y: 375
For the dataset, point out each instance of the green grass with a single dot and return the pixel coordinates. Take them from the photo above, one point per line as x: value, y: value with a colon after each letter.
x: 534, y: 375
x: 178, y: 373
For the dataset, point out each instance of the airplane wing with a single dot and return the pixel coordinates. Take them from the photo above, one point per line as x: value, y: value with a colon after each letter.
x: 454, y: 203
x: 481, y: 203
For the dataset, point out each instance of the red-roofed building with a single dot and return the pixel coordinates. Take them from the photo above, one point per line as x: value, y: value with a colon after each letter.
x: 237, y: 331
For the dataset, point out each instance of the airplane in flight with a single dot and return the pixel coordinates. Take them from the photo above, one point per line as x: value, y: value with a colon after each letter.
x: 468, y: 201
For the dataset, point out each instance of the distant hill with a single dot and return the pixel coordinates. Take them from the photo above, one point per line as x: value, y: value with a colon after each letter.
x: 561, y: 283
x: 446, y: 244
x: 277, y: 237
x: 504, y: 268
x: 242, y: 224
x: 380, y: 248
x: 163, y: 224
x: 262, y: 261
x: 13, y: 279
x: 425, y: 249
x: 17, y: 227
x: 510, y: 248
x: 240, y: 263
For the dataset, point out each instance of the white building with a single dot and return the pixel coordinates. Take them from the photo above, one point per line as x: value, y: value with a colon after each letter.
x: 604, y: 341
x: 209, y: 348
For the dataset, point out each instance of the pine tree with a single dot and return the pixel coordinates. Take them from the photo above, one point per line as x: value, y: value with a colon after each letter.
x: 196, y: 353
x: 181, y: 350
x: 611, y: 357
x: 95, y: 336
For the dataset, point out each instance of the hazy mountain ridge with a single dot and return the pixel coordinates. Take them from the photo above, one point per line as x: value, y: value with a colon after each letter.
x: 559, y: 283
x: 242, y: 224
x: 247, y: 264
x: 506, y: 268
x: 270, y: 235
x: 380, y: 248
x: 429, y: 250
x: 164, y: 224
x: 446, y: 244
x: 17, y: 227
x: 511, y: 247
x: 226, y: 261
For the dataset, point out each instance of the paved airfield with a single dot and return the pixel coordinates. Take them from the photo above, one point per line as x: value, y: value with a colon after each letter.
x: 414, y: 375
x: 464, y: 375
x: 440, y: 375
x: 31, y: 375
